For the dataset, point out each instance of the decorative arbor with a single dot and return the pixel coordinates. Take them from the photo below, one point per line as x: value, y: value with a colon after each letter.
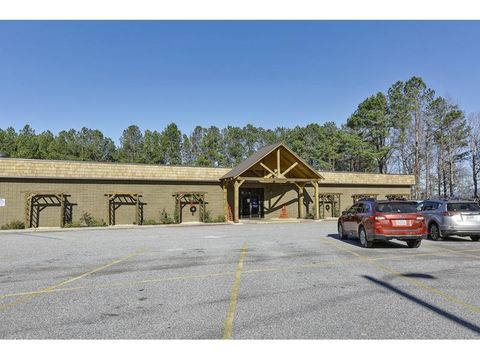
x: 397, y: 197
x: 183, y: 199
x: 115, y: 200
x: 330, y: 199
x: 35, y: 203
x: 274, y: 164
x: 358, y: 197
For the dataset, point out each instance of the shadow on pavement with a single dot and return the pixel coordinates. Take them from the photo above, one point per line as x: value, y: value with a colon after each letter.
x: 427, y: 305
x: 377, y: 244
x: 452, y: 239
x: 418, y: 275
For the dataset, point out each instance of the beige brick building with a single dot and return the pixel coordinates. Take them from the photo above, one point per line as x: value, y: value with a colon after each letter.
x: 273, y: 183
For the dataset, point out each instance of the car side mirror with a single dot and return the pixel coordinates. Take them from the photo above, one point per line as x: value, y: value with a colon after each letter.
x: 344, y: 213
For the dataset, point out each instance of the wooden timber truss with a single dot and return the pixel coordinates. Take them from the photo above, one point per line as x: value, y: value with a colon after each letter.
x: 183, y: 199
x: 115, y: 200
x: 329, y: 199
x: 273, y: 164
x: 358, y: 197
x: 36, y: 202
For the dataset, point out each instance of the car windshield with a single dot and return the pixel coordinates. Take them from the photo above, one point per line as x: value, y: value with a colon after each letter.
x: 396, y: 207
x: 459, y: 207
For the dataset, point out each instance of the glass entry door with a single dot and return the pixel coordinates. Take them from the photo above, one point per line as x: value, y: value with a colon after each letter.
x: 251, y: 203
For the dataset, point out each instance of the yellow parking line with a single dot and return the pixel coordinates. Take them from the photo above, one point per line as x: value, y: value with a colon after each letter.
x: 220, y: 274
x: 228, y: 327
x: 118, y: 284
x: 463, y: 252
x: 33, y: 294
x: 431, y: 289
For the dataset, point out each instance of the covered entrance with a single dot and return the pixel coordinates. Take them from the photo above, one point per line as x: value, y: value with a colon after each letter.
x: 271, y: 183
x: 251, y: 203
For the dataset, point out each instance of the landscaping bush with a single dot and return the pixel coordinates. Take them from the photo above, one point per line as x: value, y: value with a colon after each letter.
x: 13, y: 225
x: 90, y: 221
x: 150, y: 222
x: 165, y: 218
x: 208, y: 218
x: 73, y: 224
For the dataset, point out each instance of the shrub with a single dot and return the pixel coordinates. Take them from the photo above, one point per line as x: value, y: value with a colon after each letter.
x: 165, y: 218
x: 150, y: 222
x: 73, y: 224
x: 90, y: 221
x: 13, y: 225
x: 208, y: 218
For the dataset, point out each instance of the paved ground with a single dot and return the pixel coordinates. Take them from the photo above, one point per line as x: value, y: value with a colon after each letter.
x: 295, y: 280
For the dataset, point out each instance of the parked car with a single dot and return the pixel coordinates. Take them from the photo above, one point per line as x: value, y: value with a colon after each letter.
x: 374, y: 220
x: 451, y: 217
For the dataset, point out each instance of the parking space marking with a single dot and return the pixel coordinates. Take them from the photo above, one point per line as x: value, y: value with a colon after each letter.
x: 420, y: 284
x: 27, y: 297
x: 464, y: 252
x: 220, y: 274
x: 228, y: 327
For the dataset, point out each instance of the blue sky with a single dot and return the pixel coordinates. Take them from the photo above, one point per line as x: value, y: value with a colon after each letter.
x: 110, y: 74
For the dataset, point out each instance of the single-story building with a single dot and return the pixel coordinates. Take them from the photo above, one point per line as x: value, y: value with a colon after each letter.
x: 272, y: 183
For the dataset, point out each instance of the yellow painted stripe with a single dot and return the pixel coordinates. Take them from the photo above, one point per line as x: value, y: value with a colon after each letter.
x: 228, y: 327
x: 420, y: 284
x: 317, y: 265
x: 33, y: 294
x: 463, y: 252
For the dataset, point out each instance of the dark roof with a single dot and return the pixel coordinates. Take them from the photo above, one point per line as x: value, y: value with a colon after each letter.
x: 259, y: 155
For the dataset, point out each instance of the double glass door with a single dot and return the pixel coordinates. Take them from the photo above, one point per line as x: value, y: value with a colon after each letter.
x: 251, y: 203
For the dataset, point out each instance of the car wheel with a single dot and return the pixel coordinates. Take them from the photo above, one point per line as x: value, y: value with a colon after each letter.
x: 362, y: 235
x: 414, y: 243
x: 475, y: 237
x: 434, y: 232
x: 341, y: 233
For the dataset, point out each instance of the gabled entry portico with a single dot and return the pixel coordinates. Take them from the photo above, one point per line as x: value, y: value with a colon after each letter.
x: 274, y: 170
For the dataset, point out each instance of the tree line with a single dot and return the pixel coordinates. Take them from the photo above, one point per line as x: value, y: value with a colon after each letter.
x: 408, y: 129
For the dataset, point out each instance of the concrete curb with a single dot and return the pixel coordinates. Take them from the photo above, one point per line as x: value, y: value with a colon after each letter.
x: 128, y: 227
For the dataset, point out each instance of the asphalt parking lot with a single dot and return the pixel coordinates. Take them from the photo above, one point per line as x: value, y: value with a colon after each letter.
x: 255, y: 281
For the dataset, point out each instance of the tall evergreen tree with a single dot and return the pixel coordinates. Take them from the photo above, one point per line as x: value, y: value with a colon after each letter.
x: 371, y: 123
x: 26, y: 142
x: 171, y: 142
x: 8, y: 142
x: 131, y: 145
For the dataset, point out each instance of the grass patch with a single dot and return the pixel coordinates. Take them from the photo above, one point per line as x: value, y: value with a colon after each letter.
x: 13, y: 225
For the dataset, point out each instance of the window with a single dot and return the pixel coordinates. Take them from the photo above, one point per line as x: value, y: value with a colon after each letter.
x: 459, y: 207
x: 396, y: 207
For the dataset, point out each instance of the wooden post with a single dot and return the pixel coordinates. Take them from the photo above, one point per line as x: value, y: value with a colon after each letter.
x: 339, y: 205
x: 301, y: 205
x: 26, y: 218
x: 225, y: 199
x: 278, y: 163
x: 315, y: 200
x: 236, y: 186
x: 62, y: 209
x: 137, y: 207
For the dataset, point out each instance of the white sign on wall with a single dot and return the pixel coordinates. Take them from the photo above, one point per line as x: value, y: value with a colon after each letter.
x: 2, y: 202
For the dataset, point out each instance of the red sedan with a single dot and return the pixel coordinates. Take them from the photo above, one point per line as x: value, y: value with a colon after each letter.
x: 374, y: 220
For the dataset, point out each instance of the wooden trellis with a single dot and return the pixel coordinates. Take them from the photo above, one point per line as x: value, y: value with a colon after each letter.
x: 397, y: 197
x: 330, y: 198
x: 358, y: 197
x: 115, y: 200
x: 35, y: 203
x: 183, y: 199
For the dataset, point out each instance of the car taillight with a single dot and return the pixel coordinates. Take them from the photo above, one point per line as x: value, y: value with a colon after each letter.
x: 379, y: 218
x: 420, y: 218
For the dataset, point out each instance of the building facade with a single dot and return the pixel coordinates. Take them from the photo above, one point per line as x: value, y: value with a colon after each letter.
x: 274, y: 183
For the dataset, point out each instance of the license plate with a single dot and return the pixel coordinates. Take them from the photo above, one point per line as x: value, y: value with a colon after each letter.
x: 400, y: 222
